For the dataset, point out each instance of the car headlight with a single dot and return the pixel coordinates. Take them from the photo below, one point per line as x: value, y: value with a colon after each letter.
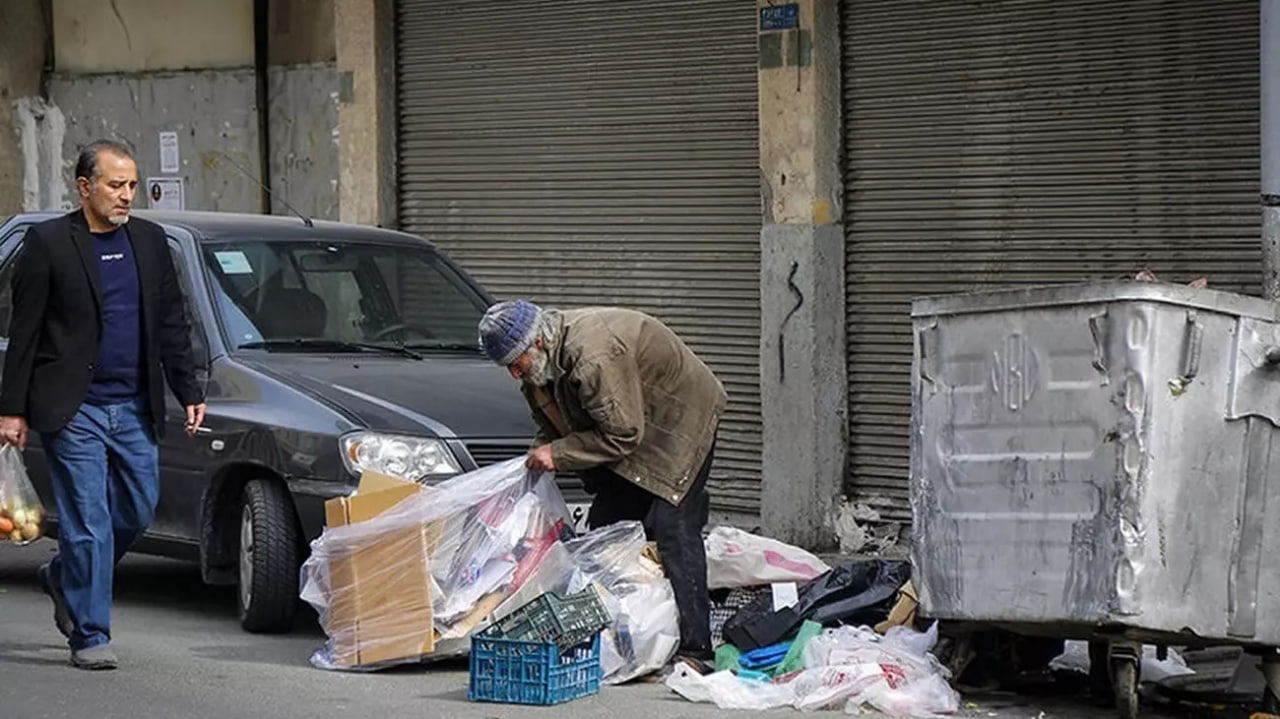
x: 414, y: 458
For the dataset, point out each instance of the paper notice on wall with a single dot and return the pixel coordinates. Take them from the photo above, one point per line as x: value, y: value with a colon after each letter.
x: 166, y: 193
x: 169, y: 158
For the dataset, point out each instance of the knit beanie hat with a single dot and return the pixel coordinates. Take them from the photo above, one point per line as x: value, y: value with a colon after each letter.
x: 508, y: 330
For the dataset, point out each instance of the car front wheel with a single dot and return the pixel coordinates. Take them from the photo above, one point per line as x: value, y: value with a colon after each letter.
x: 269, y: 558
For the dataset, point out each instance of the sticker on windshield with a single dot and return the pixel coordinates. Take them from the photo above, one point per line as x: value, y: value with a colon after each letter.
x: 234, y: 262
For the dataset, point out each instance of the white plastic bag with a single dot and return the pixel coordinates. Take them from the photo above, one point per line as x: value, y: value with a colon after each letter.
x: 740, y: 559
x: 644, y: 632
x: 1075, y: 658
x: 894, y: 674
x: 727, y: 690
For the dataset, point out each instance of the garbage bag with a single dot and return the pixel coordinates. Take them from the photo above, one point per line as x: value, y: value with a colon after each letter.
x: 728, y: 690
x: 853, y: 593
x: 853, y: 668
x: 740, y: 559
x: 644, y: 630
x: 21, y: 514
x: 894, y: 674
x: 1075, y: 658
x: 421, y: 577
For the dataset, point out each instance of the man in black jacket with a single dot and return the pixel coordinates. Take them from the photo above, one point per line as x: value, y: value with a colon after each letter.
x: 98, y: 325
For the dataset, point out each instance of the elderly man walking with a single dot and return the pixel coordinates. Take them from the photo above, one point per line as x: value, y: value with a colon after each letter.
x: 98, y: 326
x: 620, y: 399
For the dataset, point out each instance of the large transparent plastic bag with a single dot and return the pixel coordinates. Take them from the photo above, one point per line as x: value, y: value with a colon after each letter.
x: 645, y: 629
x: 451, y: 556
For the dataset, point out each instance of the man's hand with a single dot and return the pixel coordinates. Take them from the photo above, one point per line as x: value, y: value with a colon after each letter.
x: 540, y: 459
x: 195, y: 418
x: 13, y: 430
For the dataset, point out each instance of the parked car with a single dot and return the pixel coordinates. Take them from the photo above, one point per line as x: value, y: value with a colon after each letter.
x: 328, y: 349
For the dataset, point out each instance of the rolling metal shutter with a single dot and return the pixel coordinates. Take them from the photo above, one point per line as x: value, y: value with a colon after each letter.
x: 1024, y: 142
x: 585, y: 152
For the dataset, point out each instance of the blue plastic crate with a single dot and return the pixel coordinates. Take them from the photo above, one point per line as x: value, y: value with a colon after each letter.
x: 511, y: 671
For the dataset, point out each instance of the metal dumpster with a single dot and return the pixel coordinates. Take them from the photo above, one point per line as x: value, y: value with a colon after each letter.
x: 1095, y: 461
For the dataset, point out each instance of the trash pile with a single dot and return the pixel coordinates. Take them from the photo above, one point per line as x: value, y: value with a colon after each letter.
x: 848, y: 667
x: 487, y: 564
x: 405, y: 573
x: 771, y: 602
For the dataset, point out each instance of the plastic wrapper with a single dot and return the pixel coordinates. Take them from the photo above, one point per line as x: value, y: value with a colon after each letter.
x: 847, y: 667
x: 644, y: 632
x: 1075, y: 658
x: 740, y: 559
x: 21, y: 514
x: 416, y: 580
x: 729, y: 691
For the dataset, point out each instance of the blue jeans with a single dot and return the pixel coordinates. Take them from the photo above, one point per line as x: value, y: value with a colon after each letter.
x: 104, y: 470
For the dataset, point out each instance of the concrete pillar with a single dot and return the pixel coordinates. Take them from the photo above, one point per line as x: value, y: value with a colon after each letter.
x: 363, y: 36
x: 21, y: 59
x: 1269, y: 93
x: 802, y: 346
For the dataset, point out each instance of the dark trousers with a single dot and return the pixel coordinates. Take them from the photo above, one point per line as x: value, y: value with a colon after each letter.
x: 677, y: 530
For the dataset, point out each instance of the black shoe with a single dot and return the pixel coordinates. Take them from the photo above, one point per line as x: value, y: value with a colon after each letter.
x: 61, y: 616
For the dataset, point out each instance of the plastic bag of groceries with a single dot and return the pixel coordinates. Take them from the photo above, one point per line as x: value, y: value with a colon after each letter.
x: 21, y: 514
x: 416, y: 580
x: 644, y: 632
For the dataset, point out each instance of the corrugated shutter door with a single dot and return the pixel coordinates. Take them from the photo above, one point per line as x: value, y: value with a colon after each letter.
x: 586, y: 152
x: 1016, y: 143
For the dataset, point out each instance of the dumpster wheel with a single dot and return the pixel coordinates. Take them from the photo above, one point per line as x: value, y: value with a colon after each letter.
x: 1124, y: 682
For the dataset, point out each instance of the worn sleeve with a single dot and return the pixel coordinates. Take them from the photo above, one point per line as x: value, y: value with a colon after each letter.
x: 30, y: 302
x: 175, y: 336
x: 609, y: 391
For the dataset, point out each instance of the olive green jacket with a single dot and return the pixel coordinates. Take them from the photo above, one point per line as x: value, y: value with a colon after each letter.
x: 634, y: 398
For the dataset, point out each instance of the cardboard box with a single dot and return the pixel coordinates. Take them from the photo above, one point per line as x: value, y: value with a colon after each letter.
x: 380, y: 608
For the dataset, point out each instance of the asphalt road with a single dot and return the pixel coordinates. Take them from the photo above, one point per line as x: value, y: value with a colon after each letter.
x: 183, y: 655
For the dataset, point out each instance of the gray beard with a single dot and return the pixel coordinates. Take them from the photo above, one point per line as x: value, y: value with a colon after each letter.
x: 118, y: 220
x: 542, y: 373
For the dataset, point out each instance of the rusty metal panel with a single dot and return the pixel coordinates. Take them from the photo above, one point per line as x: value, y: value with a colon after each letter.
x: 591, y: 152
x: 1016, y: 143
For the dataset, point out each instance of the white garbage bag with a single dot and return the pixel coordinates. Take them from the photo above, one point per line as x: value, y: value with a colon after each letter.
x: 645, y: 629
x: 848, y: 667
x: 740, y: 559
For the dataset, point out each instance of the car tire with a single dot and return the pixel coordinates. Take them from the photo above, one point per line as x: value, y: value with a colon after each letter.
x: 268, y: 558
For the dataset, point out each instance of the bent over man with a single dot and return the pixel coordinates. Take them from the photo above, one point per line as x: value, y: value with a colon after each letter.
x: 620, y: 399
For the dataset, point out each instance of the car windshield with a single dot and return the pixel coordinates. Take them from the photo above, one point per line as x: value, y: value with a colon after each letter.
x: 297, y: 295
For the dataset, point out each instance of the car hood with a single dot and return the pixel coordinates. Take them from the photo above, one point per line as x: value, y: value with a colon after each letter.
x: 464, y: 396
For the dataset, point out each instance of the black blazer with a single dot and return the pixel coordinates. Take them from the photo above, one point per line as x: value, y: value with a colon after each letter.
x: 56, y: 326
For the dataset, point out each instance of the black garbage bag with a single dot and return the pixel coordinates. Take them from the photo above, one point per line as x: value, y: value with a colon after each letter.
x: 858, y: 593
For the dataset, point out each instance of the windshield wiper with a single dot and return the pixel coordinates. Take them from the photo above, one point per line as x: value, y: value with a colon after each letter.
x: 442, y: 346
x: 331, y: 345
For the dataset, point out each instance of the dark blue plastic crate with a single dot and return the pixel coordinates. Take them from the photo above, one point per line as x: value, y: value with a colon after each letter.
x: 511, y: 671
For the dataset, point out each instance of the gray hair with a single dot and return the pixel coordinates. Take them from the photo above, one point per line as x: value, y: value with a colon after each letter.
x: 87, y: 165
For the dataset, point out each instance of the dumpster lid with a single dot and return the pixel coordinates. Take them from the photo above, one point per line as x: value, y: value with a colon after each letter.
x: 1083, y: 293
